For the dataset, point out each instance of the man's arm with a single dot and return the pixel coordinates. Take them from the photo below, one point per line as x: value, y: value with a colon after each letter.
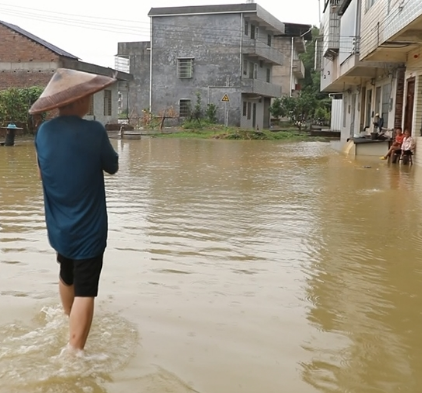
x: 38, y: 166
x: 109, y: 157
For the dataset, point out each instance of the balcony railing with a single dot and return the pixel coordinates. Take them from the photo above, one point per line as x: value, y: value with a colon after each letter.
x: 260, y: 87
x: 262, y: 50
x: 331, y: 31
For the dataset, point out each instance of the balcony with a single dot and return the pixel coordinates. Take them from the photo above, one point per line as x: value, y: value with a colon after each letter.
x: 259, y: 87
x: 259, y: 49
x: 298, y: 69
x: 299, y: 44
x: 331, y: 32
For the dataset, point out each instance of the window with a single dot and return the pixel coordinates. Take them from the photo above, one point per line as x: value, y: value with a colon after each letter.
x: 246, y: 27
x: 255, y: 71
x: 268, y: 75
x: 244, y: 108
x: 253, y: 31
x: 185, y: 68
x: 245, y: 67
x: 261, y: 63
x: 269, y: 39
x: 91, y: 106
x: 107, y: 102
x: 184, y: 108
x: 249, y: 110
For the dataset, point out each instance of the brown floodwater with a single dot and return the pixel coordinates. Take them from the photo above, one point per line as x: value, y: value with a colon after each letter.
x: 231, y: 267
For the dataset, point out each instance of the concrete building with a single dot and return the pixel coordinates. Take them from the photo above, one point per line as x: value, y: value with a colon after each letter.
x: 229, y: 51
x: 289, y: 75
x: 371, y: 53
x: 27, y: 60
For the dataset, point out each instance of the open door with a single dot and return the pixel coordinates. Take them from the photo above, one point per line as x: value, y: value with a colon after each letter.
x: 410, y: 99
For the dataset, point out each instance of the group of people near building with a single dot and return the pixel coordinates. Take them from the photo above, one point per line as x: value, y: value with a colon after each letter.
x: 403, y: 146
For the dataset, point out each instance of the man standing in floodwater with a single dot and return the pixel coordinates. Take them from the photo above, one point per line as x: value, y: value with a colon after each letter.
x: 72, y: 155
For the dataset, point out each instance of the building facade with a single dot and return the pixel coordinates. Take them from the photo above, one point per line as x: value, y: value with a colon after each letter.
x: 290, y: 75
x: 371, y: 59
x: 27, y: 60
x: 226, y: 54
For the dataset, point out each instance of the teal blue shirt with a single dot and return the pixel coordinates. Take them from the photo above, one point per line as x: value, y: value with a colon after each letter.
x: 72, y: 155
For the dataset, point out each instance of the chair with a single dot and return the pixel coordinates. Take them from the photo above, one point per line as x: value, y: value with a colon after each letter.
x: 407, y: 159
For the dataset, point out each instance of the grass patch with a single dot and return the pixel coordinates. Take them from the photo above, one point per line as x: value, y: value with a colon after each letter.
x: 232, y: 133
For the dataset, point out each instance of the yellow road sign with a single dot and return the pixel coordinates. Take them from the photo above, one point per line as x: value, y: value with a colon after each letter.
x: 225, y: 98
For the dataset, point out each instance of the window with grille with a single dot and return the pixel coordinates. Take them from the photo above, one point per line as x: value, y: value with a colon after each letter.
x: 107, y: 102
x: 91, y: 106
x: 185, y: 68
x: 184, y: 108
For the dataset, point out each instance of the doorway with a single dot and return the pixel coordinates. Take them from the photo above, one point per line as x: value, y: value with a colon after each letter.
x: 368, y: 109
x: 254, y: 115
x: 353, y: 115
x: 410, y: 99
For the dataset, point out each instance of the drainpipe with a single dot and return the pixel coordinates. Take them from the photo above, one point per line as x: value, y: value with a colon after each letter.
x: 241, y: 42
x: 150, y: 67
x: 291, y: 67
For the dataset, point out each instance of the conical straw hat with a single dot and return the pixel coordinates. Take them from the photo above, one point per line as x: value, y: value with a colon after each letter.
x: 67, y: 86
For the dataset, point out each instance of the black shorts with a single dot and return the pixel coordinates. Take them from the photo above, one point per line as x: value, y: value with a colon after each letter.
x: 84, y: 274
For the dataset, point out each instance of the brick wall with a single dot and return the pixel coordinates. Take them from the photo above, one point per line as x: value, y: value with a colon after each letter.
x: 17, y: 48
x: 24, y: 63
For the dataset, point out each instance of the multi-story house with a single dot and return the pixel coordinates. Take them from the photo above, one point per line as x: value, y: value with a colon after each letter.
x: 289, y: 75
x: 372, y: 56
x: 227, y: 54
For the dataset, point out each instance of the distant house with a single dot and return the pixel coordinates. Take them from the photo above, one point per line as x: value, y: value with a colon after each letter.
x: 27, y: 60
x: 236, y: 56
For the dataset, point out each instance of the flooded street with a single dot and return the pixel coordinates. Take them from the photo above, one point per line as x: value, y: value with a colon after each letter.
x: 231, y: 267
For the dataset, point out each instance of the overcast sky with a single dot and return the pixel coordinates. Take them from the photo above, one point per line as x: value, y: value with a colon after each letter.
x: 91, y: 29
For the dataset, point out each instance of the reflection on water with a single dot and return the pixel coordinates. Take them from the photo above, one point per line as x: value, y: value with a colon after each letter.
x: 231, y: 267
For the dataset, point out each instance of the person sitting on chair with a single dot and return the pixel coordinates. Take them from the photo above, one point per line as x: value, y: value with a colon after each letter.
x: 407, y: 147
x: 396, y: 145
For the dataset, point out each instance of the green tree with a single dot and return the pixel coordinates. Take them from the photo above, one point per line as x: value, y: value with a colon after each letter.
x: 15, y: 103
x: 211, y: 113
x: 311, y: 102
x: 311, y: 83
x: 277, y: 109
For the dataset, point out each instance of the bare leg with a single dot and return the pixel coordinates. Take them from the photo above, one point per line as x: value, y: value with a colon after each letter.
x: 80, y: 321
x: 67, y: 295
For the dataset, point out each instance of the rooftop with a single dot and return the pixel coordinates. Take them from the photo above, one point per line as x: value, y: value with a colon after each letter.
x: 288, y: 29
x: 38, y: 40
x: 204, y: 9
